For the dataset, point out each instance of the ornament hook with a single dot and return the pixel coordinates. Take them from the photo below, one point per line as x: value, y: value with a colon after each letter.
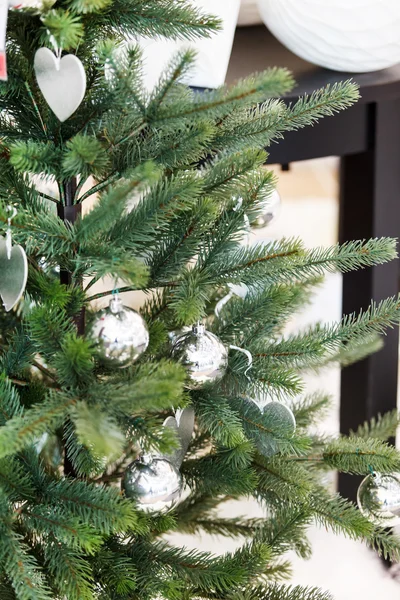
x: 56, y: 48
x: 221, y: 303
x: 249, y: 358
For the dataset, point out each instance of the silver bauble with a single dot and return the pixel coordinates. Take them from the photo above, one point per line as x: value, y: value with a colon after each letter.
x: 120, y: 333
x: 154, y: 483
x: 269, y: 210
x: 203, y: 354
x: 378, y: 499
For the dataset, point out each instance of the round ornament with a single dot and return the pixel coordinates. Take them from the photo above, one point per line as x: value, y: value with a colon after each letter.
x: 203, y: 354
x: 378, y: 499
x: 155, y: 483
x: 120, y: 333
x: 270, y: 208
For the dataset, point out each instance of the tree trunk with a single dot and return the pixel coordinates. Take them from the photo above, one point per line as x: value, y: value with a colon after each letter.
x: 70, y: 212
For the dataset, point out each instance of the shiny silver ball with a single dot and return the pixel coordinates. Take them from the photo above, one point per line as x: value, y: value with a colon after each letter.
x: 269, y: 210
x: 120, y: 334
x: 378, y: 499
x: 154, y: 483
x: 203, y: 354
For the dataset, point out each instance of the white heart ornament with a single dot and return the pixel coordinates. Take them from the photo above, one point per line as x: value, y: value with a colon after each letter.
x: 13, y: 274
x: 61, y: 81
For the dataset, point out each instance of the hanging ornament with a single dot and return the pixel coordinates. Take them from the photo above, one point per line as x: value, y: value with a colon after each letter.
x: 203, y: 354
x: 62, y: 81
x: 52, y: 271
x: 378, y: 499
x: 246, y: 223
x: 154, y: 482
x: 279, y: 412
x: 279, y: 421
x: 3, y: 31
x: 173, y: 335
x: 270, y: 208
x: 235, y: 289
x: 13, y: 268
x: 183, y: 425
x: 120, y: 333
x: 4, y: 6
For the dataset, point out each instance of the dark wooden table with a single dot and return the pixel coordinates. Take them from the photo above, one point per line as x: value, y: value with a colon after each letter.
x: 367, y: 140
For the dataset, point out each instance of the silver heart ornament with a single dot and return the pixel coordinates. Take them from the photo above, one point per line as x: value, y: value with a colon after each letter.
x: 13, y: 274
x: 277, y: 419
x: 61, y: 81
x: 183, y: 425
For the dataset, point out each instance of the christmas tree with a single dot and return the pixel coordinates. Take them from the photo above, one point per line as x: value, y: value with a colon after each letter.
x: 168, y: 181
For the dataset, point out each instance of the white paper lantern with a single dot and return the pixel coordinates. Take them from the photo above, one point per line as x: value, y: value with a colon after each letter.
x: 343, y: 35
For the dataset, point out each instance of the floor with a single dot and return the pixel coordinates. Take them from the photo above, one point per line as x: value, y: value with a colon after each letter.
x: 345, y: 568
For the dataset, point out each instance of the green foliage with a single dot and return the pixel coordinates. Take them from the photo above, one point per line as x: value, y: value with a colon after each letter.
x: 97, y: 430
x: 167, y: 179
x: 355, y: 455
x: 382, y: 428
x: 84, y: 156
x: 66, y: 28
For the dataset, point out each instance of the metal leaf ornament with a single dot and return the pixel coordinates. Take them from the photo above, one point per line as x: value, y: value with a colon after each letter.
x: 270, y: 428
x: 183, y: 425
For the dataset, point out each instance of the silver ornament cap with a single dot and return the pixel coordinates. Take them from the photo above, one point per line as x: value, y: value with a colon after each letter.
x: 154, y: 483
x: 270, y: 208
x: 378, y: 499
x: 120, y: 334
x: 203, y: 354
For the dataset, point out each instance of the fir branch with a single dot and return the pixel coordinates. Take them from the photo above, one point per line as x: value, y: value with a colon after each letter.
x: 22, y: 568
x: 358, y: 456
x: 103, y: 507
x: 381, y: 428
x: 71, y: 575
x: 144, y: 17
x: 67, y: 529
x: 281, y: 592
x: 21, y: 431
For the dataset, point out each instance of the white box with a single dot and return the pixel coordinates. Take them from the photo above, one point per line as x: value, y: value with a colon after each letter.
x: 213, y: 53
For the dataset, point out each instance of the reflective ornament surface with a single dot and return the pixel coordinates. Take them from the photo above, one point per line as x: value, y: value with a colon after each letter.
x: 154, y: 483
x: 62, y: 81
x: 283, y: 414
x: 120, y: 334
x: 279, y: 425
x: 378, y: 499
x: 13, y: 274
x: 183, y: 426
x: 269, y: 210
x: 203, y: 354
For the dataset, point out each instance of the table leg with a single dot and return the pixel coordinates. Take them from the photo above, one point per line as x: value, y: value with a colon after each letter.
x: 370, y: 207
